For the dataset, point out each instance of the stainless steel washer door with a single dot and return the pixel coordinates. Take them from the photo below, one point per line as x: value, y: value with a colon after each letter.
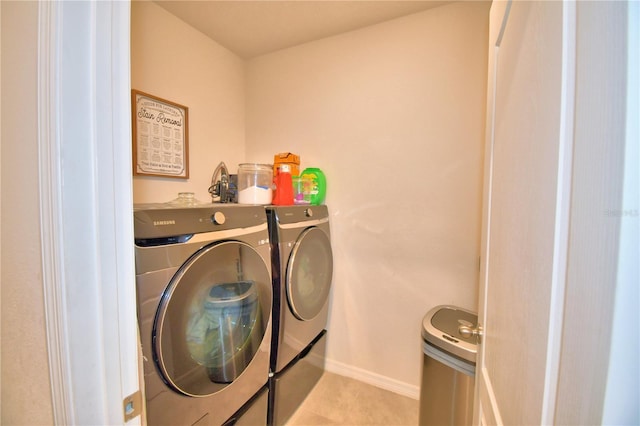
x: 309, y: 274
x: 212, y: 318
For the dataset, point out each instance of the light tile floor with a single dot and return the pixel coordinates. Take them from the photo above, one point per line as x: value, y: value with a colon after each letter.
x: 337, y: 400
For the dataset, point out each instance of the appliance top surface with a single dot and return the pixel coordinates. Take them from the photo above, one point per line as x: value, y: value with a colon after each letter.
x: 160, y: 220
x: 298, y: 214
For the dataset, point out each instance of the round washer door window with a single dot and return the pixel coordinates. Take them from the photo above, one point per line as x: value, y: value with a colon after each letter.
x: 212, y: 318
x: 309, y: 274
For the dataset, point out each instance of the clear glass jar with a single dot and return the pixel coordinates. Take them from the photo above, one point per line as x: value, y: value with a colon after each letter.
x: 185, y: 199
x: 255, y: 183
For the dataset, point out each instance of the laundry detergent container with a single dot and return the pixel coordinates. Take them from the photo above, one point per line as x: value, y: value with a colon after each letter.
x: 449, y: 344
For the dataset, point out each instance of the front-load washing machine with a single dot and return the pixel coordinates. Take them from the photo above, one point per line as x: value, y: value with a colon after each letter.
x: 302, y: 271
x: 203, y: 278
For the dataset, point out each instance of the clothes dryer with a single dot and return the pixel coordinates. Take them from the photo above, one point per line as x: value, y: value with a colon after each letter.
x: 203, y: 278
x: 302, y: 271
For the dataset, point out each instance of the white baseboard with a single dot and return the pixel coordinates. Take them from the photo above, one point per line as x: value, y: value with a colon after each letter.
x: 373, y: 379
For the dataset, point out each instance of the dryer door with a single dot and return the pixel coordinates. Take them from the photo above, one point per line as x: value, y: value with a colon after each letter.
x: 309, y: 274
x: 212, y: 318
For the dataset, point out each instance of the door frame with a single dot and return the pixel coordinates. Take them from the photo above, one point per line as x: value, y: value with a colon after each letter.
x: 85, y: 185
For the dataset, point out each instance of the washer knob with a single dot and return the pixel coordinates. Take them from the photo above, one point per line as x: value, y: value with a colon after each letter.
x: 218, y: 218
x: 308, y: 212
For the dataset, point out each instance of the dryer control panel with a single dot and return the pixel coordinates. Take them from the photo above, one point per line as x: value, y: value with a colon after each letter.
x: 298, y: 214
x: 153, y: 223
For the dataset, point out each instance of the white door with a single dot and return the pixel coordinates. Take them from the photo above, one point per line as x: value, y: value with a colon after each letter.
x: 529, y: 125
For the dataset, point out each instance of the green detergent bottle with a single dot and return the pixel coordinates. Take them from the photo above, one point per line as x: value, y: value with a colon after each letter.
x: 318, y: 188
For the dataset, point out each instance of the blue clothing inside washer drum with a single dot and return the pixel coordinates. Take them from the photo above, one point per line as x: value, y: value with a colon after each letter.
x: 221, y: 332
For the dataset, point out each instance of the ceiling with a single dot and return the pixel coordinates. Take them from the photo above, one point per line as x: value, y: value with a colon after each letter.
x: 253, y: 28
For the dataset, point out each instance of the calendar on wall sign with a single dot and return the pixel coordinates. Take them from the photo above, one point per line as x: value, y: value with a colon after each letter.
x: 160, y: 137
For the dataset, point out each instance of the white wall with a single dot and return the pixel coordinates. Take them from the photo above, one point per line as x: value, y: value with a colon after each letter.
x: 25, y: 364
x: 394, y: 115
x: 173, y: 61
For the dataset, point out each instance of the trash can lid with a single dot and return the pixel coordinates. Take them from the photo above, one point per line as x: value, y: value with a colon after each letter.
x: 440, y: 329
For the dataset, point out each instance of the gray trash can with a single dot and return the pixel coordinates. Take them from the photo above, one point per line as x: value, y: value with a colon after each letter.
x: 448, y: 368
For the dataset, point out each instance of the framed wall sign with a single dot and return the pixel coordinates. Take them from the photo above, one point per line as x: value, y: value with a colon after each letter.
x: 160, y: 137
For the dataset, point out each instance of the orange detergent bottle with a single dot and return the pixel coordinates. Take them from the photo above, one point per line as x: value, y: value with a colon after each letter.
x: 283, y: 195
